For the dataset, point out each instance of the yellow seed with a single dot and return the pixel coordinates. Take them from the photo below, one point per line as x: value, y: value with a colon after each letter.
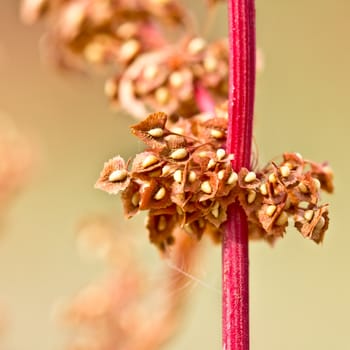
x: 250, y: 177
x: 203, y: 154
x: 211, y: 164
x: 303, y: 188
x: 176, y: 79
x: 303, y: 205
x: 150, y: 72
x: 178, y: 176
x: 220, y: 153
x: 135, y: 199
x: 178, y: 130
x: 221, y: 174
x: 215, y: 212
x: 166, y: 170
x: 232, y: 178
x: 129, y: 49
x: 317, y: 183
x: 270, y: 210
x: 111, y: 88
x: 156, y: 132
x: 162, y: 223
x: 160, y: 194
x: 127, y: 30
x: 263, y: 189
x: 192, y: 176
x: 320, y: 224
x: 299, y: 155
x: 289, y: 165
x: 285, y: 171
x: 118, y: 175
x: 179, y: 154
x: 205, y: 187
x: 179, y: 210
x: 210, y: 63
x: 282, y: 219
x: 162, y: 95
x: 94, y: 52
x: 217, y: 134
x: 251, y: 196
x: 287, y: 204
x: 308, y: 215
x: 149, y: 160
x: 188, y: 229
x: 272, y: 178
x: 196, y: 45
x: 201, y: 223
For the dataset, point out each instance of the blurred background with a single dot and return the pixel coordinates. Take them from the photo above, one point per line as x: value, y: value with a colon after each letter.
x: 299, y: 291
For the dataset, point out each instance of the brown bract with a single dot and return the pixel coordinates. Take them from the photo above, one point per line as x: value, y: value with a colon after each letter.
x: 185, y: 179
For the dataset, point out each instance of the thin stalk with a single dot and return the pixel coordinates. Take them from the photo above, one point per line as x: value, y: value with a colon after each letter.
x: 235, y: 264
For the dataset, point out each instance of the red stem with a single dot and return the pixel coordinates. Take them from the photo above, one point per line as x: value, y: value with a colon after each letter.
x: 235, y: 316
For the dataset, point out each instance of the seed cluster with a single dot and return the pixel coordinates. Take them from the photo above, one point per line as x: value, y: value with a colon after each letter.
x: 184, y: 178
x: 100, y: 32
x: 169, y: 81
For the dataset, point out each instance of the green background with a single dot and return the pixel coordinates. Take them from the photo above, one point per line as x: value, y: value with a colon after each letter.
x: 299, y: 291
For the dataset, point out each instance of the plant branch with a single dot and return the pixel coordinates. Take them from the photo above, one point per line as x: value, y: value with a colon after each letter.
x: 235, y: 318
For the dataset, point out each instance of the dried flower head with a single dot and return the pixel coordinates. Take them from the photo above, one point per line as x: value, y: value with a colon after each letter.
x: 105, y: 314
x: 185, y: 179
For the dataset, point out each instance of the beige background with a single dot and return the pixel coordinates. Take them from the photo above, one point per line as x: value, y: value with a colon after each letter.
x: 299, y: 291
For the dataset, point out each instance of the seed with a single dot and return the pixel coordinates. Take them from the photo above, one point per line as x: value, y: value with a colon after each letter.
x: 201, y: 223
x: 320, y: 224
x: 270, y: 210
x: 135, y: 199
x: 217, y: 134
x: 282, y: 219
x: 129, y: 49
x: 127, y: 30
x: 220, y: 153
x: 156, y: 132
x: 285, y: 171
x: 303, y: 188
x: 178, y: 130
x: 150, y: 72
x: 205, y: 187
x: 111, y: 88
x: 166, y: 170
x: 299, y: 155
x: 308, y: 215
x: 161, y: 223
x: 303, y: 205
x: 210, y: 63
x: 192, y: 176
x: 289, y: 165
x: 162, y: 95
x: 251, y: 196
x: 215, y: 212
x: 203, y: 154
x: 176, y: 79
x: 287, y: 204
x: 317, y: 183
x: 179, y: 154
x: 232, y: 178
x: 221, y: 174
x: 188, y: 229
x: 211, y: 164
x: 263, y: 189
x: 178, y: 176
x: 94, y: 52
x: 118, y: 175
x: 272, y: 178
x: 250, y: 177
x: 196, y: 45
x: 160, y: 194
x: 149, y: 160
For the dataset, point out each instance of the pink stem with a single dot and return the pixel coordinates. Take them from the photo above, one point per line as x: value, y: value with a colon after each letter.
x: 235, y: 316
